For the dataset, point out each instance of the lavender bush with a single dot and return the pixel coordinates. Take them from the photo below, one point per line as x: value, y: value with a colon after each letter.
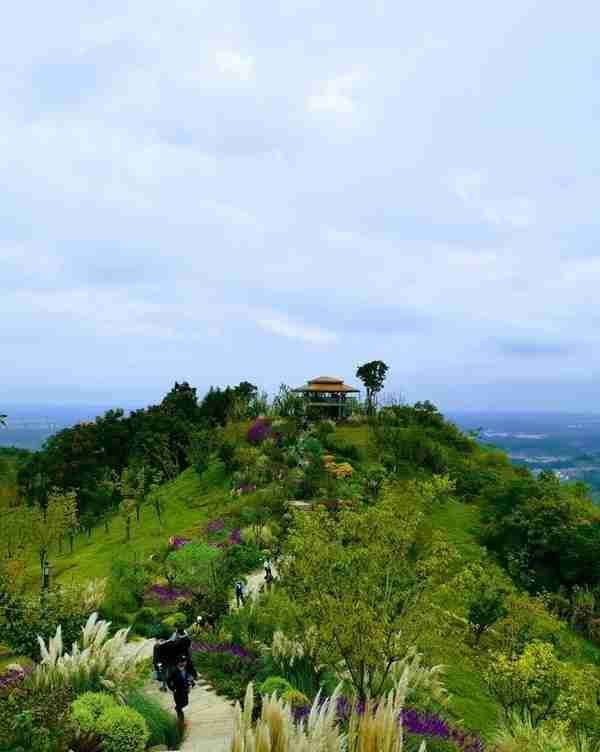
x: 13, y: 676
x: 166, y: 595
x: 259, y: 430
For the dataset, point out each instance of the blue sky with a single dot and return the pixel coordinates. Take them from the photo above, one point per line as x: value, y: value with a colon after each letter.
x: 271, y: 191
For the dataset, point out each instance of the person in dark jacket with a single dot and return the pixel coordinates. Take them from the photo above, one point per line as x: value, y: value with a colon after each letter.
x: 181, y: 678
x: 159, y: 663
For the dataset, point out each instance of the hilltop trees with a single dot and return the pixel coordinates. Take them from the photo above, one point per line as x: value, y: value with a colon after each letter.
x: 372, y: 375
x: 358, y: 582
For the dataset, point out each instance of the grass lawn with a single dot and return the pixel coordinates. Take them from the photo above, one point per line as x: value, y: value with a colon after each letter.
x: 462, y: 525
x: 187, y: 507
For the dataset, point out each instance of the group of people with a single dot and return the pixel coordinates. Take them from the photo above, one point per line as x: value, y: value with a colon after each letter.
x: 240, y: 587
x: 173, y: 668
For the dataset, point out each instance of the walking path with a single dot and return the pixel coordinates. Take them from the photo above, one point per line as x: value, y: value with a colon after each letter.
x: 209, y: 717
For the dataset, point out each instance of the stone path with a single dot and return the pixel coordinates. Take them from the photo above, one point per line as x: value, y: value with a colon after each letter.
x: 209, y: 717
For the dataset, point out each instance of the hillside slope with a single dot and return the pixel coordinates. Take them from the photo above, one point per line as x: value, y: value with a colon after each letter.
x: 187, y: 503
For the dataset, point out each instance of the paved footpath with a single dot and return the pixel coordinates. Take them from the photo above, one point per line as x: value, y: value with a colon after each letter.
x: 209, y: 717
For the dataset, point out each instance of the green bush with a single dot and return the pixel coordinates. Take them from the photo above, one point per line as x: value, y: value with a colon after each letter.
x: 122, y: 730
x: 190, y: 566
x: 88, y: 707
x: 175, y: 620
x: 146, y: 622
x: 275, y: 685
x: 125, y: 587
x: 162, y: 725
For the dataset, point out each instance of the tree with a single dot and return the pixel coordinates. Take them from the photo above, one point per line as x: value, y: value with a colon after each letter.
x: 538, y: 683
x: 372, y: 375
x: 201, y: 446
x: 288, y: 404
x: 487, y: 606
x: 49, y: 524
x: 359, y: 584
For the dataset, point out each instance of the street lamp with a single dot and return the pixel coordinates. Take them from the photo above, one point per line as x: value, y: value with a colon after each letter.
x: 46, y: 582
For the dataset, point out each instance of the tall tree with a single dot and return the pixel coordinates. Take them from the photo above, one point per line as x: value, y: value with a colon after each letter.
x: 360, y: 584
x: 372, y: 375
x: 49, y: 524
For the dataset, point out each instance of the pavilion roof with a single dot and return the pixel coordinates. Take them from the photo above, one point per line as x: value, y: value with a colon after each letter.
x: 326, y: 384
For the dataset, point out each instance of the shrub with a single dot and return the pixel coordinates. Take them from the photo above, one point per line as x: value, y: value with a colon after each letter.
x: 175, y: 620
x: 258, y: 535
x: 259, y: 430
x: 295, y: 698
x: 162, y: 725
x: 190, y: 566
x: 275, y: 685
x: 125, y: 587
x: 123, y: 730
x: 88, y: 707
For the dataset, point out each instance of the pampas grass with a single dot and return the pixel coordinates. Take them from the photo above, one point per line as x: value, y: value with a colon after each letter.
x: 275, y: 730
x: 377, y: 729
x: 99, y: 662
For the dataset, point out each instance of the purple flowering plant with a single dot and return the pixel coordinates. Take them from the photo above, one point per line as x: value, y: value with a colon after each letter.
x: 176, y: 542
x: 216, y: 526
x: 13, y: 676
x: 260, y: 429
x: 166, y: 595
x: 224, y: 648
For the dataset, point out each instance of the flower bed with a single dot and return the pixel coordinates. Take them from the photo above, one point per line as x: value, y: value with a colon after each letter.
x: 176, y: 542
x: 166, y: 595
x: 434, y: 727
x: 222, y: 648
x: 13, y: 676
x: 228, y: 667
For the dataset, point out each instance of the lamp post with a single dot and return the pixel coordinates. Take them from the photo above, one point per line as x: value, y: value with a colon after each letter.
x: 45, y: 584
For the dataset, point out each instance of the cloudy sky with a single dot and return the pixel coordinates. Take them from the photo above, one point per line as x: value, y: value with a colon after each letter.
x: 218, y: 191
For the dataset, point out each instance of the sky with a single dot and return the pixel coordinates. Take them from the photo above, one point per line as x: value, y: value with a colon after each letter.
x: 271, y: 191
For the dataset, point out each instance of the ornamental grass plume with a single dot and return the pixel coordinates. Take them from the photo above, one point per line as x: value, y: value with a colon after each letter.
x: 372, y: 727
x: 519, y: 734
x: 99, y: 663
x: 275, y: 730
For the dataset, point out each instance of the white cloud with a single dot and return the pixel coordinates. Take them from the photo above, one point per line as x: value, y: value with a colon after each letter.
x: 338, y: 95
x: 473, y: 188
x: 235, y: 65
x: 309, y: 334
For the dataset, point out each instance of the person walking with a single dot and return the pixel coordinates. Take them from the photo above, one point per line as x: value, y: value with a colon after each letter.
x: 239, y: 593
x: 180, y: 680
x: 159, y: 663
x: 268, y: 574
x: 178, y: 634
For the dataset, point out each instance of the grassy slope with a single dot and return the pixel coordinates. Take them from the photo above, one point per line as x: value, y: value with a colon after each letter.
x: 188, y: 506
x: 461, y: 523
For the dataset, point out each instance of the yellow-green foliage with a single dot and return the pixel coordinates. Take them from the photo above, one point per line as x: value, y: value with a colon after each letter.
x: 538, y: 683
x: 518, y: 734
x: 89, y: 706
x: 259, y: 535
x: 295, y: 698
x: 122, y: 730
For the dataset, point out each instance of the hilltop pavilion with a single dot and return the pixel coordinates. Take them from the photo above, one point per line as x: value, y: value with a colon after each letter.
x: 326, y: 395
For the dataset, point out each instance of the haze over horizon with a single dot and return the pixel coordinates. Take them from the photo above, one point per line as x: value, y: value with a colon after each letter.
x: 268, y: 192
